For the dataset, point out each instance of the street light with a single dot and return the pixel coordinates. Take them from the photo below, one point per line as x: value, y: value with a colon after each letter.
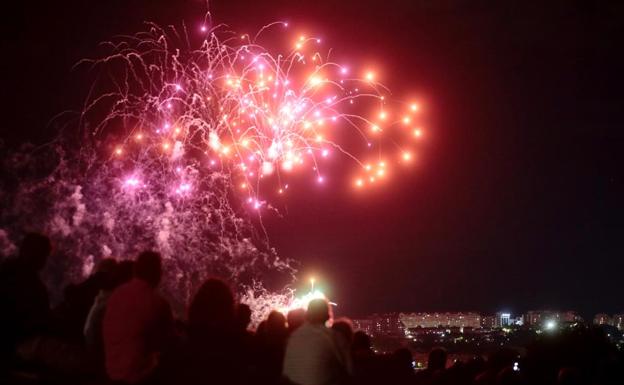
x: 550, y: 324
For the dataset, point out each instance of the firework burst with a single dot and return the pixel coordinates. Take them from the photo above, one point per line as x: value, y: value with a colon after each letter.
x: 231, y: 105
x: 178, y: 139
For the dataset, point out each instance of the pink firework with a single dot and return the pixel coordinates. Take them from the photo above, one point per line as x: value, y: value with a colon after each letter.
x: 233, y: 105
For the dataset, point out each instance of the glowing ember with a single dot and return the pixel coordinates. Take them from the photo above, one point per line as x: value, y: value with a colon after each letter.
x: 302, y: 302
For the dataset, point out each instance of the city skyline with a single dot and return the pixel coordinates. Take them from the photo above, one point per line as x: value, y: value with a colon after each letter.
x: 501, y: 318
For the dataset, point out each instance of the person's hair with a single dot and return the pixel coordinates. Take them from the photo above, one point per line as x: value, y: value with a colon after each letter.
x: 34, y: 250
x: 148, y: 267
x: 437, y: 359
x: 295, y: 318
x: 105, y: 273
x: 344, y: 326
x: 502, y: 358
x: 212, y: 306
x: 402, y: 359
x: 318, y: 311
x: 361, y: 341
x: 243, y: 315
x: 276, y: 323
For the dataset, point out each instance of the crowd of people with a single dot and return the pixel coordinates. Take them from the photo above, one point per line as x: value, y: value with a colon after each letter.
x: 116, y: 328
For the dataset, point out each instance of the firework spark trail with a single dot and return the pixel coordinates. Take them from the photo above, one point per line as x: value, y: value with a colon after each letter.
x: 231, y: 104
x: 175, y: 137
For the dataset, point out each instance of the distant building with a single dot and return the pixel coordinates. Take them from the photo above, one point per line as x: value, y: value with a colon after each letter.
x: 378, y: 325
x: 570, y: 316
x: 388, y: 324
x: 540, y: 318
x: 618, y: 321
x: 488, y: 321
x: 533, y: 317
x: 502, y: 320
x: 436, y: 320
x: 602, y: 319
x: 365, y: 325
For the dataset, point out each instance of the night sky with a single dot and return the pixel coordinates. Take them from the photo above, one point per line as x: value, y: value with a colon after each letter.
x: 515, y: 201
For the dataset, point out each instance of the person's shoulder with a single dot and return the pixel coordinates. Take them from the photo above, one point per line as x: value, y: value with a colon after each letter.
x: 301, y: 331
x: 102, y: 298
x: 318, y: 332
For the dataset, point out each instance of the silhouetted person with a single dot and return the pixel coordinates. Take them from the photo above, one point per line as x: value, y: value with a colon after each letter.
x: 295, y: 318
x: 361, y: 345
x: 24, y: 301
x: 276, y: 325
x: 366, y: 366
x: 497, y: 361
x: 435, y: 367
x: 401, y: 368
x: 212, y: 310
x: 247, y: 340
x: 242, y: 320
x: 272, y: 345
x: 312, y: 353
x: 78, y: 299
x: 120, y: 273
x: 437, y: 359
x: 464, y: 372
x: 215, y: 352
x: 243, y: 316
x: 343, y: 330
x: 137, y: 323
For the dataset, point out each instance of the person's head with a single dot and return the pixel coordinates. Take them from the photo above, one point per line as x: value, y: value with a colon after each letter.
x: 106, y: 271
x: 212, y: 306
x: 475, y: 365
x: 502, y: 358
x: 34, y: 250
x: 276, y: 323
x: 344, y: 327
x: 402, y: 360
x: 295, y: 318
x: 318, y: 311
x: 243, y: 316
x: 361, y: 342
x: 148, y: 267
x: 106, y: 266
x: 437, y: 359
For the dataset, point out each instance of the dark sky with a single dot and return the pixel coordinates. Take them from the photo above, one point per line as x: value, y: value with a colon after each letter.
x: 516, y: 201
